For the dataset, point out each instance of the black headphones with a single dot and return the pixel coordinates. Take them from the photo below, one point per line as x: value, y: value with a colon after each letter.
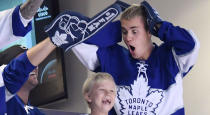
x: 10, y: 53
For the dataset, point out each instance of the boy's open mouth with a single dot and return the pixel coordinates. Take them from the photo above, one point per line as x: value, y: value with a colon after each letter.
x: 106, y: 101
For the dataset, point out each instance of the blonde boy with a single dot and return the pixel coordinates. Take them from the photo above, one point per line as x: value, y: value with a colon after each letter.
x: 99, y: 92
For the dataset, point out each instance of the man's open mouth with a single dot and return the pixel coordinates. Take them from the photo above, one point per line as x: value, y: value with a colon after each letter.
x: 132, y: 48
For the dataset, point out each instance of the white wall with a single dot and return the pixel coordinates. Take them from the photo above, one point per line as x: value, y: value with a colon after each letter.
x: 190, y: 14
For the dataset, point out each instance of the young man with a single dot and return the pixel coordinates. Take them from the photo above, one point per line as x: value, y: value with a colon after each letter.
x: 148, y: 77
x: 19, y: 104
x: 99, y: 91
x: 16, y: 23
x: 14, y: 75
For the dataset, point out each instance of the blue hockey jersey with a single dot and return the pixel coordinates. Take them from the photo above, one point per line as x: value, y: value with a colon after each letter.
x: 152, y: 86
x: 15, y: 106
x: 12, y: 27
x: 12, y: 81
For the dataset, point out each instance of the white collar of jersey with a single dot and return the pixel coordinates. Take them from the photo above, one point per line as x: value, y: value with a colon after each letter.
x: 1, y: 77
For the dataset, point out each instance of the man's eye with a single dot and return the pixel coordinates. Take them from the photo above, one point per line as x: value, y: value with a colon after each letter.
x: 124, y: 32
x: 134, y: 31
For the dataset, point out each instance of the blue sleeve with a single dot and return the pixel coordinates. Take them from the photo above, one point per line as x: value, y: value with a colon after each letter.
x: 108, y: 36
x: 183, y: 44
x: 2, y: 100
x: 112, y: 112
x: 176, y: 37
x: 17, y: 25
x: 16, y: 73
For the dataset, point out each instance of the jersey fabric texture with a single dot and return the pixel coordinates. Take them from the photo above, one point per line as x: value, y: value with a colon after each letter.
x: 15, y: 106
x: 152, y: 86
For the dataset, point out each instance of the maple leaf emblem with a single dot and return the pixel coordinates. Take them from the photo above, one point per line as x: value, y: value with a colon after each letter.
x: 59, y: 39
x: 138, y: 98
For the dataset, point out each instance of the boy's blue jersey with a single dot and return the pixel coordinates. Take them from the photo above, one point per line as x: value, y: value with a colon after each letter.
x: 11, y: 29
x: 152, y: 86
x: 15, y: 106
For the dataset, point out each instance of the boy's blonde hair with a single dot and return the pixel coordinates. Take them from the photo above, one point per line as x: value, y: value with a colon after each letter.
x: 90, y: 81
x: 133, y: 11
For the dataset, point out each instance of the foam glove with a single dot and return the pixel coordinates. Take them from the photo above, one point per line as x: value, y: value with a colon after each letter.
x: 71, y: 28
x: 152, y: 17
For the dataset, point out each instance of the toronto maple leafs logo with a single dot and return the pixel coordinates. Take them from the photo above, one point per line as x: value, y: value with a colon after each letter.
x: 59, y: 39
x: 139, y: 98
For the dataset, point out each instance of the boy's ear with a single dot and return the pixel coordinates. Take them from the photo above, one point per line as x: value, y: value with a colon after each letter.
x: 87, y: 97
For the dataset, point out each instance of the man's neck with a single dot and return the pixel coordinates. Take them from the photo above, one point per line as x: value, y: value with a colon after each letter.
x: 23, y: 94
x: 147, y: 53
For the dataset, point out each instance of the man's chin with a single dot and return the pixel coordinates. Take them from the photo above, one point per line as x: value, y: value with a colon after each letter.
x: 134, y: 56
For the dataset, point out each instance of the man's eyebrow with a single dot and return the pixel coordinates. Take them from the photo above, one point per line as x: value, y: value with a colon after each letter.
x: 133, y: 27
x: 123, y: 28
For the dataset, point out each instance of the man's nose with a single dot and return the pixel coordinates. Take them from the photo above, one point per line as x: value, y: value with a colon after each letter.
x: 129, y: 37
x: 36, y: 69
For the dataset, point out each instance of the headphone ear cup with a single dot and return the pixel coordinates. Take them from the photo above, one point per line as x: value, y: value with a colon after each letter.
x: 10, y: 53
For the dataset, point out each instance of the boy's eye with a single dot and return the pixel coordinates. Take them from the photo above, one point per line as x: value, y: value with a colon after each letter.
x: 112, y: 91
x: 101, y: 89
